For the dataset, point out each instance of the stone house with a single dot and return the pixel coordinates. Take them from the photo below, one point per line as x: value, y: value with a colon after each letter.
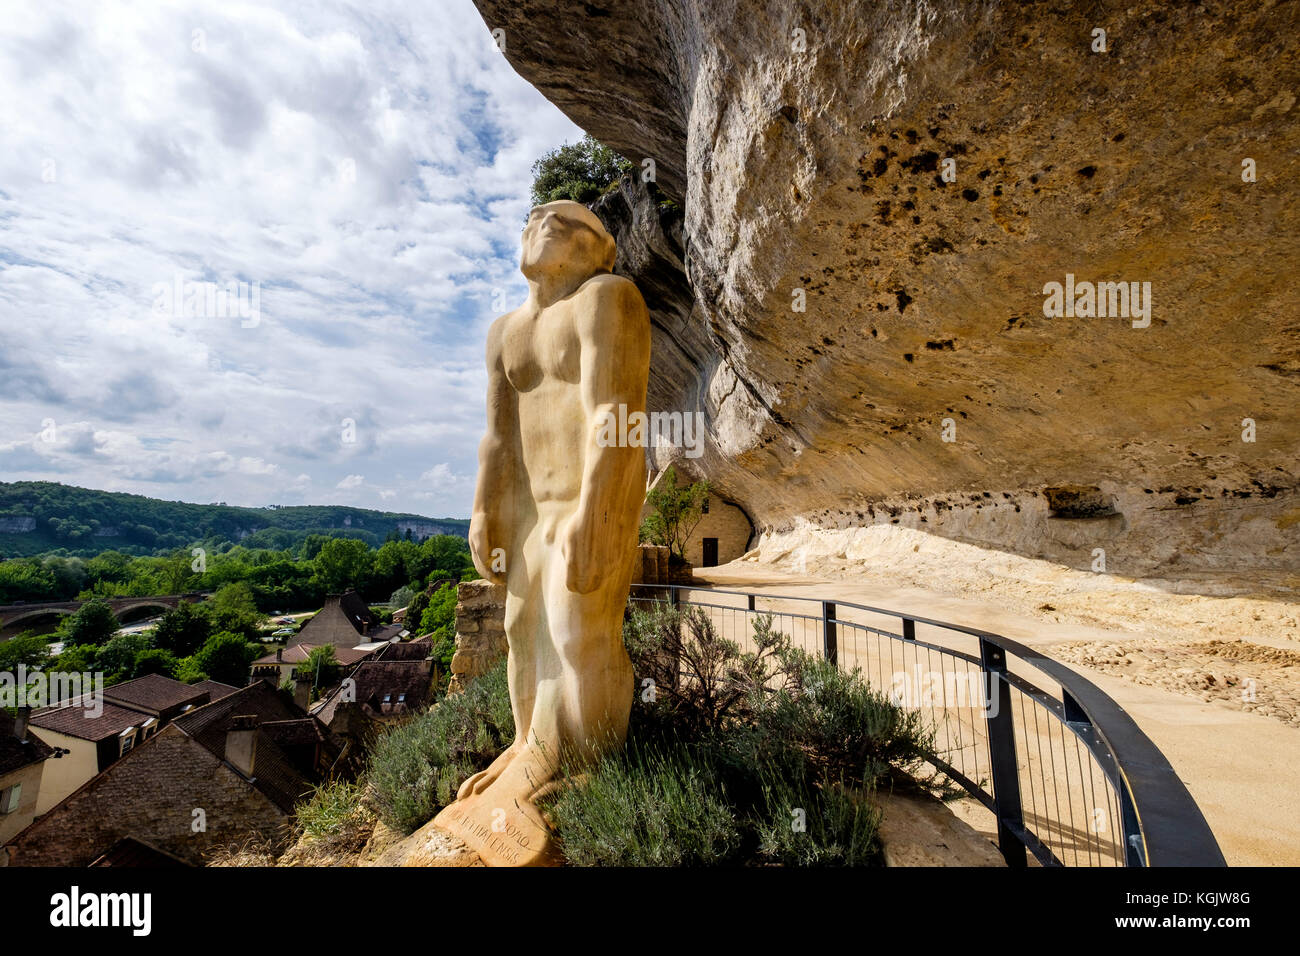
x: 23, y: 756
x: 91, y: 735
x: 724, y: 531
x: 230, y: 769
x: 279, y: 667
x: 381, y: 692
x: 344, y: 621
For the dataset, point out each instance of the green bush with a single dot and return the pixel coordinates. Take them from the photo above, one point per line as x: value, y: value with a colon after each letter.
x: 764, y: 756
x: 330, y: 809
x: 647, y: 810
x: 817, y: 825
x: 694, y: 682
x: 850, y: 730
x: 416, y: 768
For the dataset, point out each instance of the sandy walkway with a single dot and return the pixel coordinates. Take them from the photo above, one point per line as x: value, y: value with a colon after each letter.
x: 1238, y: 758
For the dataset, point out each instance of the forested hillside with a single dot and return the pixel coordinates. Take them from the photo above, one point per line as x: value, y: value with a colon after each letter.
x: 42, y: 516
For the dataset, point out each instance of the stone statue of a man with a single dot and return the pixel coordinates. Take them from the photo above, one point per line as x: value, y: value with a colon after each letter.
x: 555, y: 519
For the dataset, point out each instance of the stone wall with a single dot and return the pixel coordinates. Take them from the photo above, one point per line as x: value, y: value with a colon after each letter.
x: 923, y: 362
x: 151, y: 794
x: 725, y: 522
x: 29, y: 778
x: 480, y: 631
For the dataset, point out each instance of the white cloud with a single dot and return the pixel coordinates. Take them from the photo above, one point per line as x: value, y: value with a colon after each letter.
x: 351, y: 481
x: 367, y: 164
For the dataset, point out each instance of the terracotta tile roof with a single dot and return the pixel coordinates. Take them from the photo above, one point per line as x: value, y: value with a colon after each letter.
x: 297, y: 653
x: 384, y: 689
x: 155, y: 693
x: 294, y: 733
x: 344, y: 621
x: 208, y: 724
x: 216, y: 690
x: 417, y: 650
x: 16, y: 754
x: 136, y: 853
x: 75, y: 720
x: 274, y: 773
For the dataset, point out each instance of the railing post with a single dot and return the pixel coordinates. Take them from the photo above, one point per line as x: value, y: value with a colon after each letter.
x: 1002, y: 754
x: 751, y: 602
x: 1134, y: 851
x: 672, y: 595
x: 909, y: 629
x: 830, y: 646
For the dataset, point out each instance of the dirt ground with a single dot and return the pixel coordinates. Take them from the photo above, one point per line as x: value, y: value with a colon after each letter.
x: 1213, y: 681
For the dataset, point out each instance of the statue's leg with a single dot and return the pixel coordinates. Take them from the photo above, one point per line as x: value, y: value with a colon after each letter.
x: 494, y: 813
x: 583, y: 709
x: 522, y: 621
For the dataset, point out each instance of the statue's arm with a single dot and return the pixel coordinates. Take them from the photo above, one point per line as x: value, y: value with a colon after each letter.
x: 489, y: 520
x: 614, y: 338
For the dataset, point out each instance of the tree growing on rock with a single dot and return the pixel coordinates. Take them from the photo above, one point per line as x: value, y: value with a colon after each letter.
x: 677, y: 511
x: 579, y: 171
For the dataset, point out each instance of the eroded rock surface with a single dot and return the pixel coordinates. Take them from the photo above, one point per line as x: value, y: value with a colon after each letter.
x: 821, y: 170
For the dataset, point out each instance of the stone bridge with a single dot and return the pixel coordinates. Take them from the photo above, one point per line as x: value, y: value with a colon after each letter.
x: 15, y: 618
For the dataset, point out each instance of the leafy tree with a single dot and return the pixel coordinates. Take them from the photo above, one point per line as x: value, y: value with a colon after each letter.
x: 76, y: 659
x: 175, y: 573
x: 188, y: 671
x: 677, y: 511
x: 311, y: 546
x: 25, y: 581
x: 69, y: 574
x: 183, y: 629
x: 323, y: 667
x: 92, y: 623
x: 116, y: 658
x: 579, y: 171
x: 234, y: 609
x: 439, y: 619
x: 415, y: 610
x: 29, y: 649
x: 155, y: 660
x: 443, y: 556
x: 343, y: 564
x: 226, y: 658
x: 109, y: 566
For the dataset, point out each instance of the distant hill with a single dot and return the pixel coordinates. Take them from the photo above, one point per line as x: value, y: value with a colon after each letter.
x: 40, y: 516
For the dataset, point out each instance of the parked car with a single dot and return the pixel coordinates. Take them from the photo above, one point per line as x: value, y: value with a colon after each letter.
x: 284, y: 632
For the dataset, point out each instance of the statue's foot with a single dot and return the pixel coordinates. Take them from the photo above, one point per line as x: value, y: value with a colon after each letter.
x: 485, y: 778
x: 502, y: 831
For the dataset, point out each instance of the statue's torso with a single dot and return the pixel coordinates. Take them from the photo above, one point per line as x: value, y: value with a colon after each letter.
x: 541, y: 354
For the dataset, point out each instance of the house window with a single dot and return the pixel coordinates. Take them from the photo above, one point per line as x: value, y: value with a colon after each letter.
x: 10, y: 797
x: 126, y: 740
x: 704, y: 508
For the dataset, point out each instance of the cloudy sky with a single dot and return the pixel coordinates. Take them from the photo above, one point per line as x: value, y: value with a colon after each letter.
x: 362, y: 167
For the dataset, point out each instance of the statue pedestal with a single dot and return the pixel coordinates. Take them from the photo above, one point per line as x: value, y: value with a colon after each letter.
x: 513, y: 835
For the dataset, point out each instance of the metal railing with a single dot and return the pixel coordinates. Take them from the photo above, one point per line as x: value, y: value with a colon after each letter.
x: 1064, y: 771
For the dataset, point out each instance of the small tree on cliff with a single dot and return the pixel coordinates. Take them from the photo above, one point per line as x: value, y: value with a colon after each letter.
x: 677, y: 511
x: 579, y: 171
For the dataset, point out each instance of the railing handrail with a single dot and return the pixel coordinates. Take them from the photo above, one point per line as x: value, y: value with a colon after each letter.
x: 1170, y: 826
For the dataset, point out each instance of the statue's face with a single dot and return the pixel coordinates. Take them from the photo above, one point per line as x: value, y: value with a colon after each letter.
x: 563, y: 234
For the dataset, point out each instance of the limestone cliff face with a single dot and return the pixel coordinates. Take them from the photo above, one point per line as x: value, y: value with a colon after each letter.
x: 805, y: 145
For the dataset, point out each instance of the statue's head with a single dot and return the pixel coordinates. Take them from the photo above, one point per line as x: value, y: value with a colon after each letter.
x: 562, y: 235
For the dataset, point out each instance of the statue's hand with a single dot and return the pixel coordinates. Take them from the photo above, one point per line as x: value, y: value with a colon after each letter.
x: 482, y: 543
x: 583, y: 561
